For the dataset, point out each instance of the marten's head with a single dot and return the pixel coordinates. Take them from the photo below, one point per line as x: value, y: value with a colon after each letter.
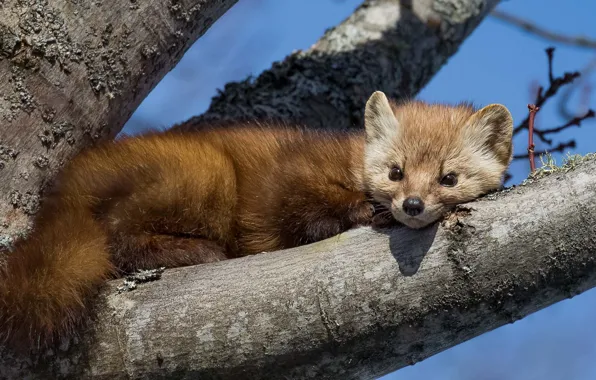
x: 423, y: 159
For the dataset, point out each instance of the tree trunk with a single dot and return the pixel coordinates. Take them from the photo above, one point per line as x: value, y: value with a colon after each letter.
x: 71, y: 73
x: 355, y: 306
x: 388, y: 45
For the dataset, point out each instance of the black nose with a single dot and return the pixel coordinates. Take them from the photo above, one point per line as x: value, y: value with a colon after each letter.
x: 413, y: 206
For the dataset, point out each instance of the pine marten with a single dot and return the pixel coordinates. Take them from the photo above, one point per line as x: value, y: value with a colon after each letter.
x: 183, y: 198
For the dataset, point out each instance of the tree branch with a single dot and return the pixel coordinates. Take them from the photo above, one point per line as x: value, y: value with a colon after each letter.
x: 71, y: 73
x: 533, y: 109
x: 560, y: 148
x: 355, y: 306
x: 576, y: 121
x: 388, y: 45
x: 582, y: 85
x: 555, y: 83
x: 528, y: 26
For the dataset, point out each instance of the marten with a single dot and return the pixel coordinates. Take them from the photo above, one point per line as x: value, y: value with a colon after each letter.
x: 174, y: 198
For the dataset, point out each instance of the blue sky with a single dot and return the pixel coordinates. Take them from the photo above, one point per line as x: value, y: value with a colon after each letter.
x: 497, y: 64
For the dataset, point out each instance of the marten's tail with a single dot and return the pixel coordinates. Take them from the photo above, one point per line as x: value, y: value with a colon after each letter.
x: 47, y: 279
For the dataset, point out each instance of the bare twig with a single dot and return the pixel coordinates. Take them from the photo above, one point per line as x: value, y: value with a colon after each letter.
x: 555, y: 83
x: 533, y: 109
x: 528, y: 26
x: 559, y: 148
x: 575, y: 121
x: 549, y: 52
x: 586, y: 88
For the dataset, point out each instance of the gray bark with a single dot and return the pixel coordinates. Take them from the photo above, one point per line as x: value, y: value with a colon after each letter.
x: 71, y: 73
x: 355, y: 306
x: 388, y: 45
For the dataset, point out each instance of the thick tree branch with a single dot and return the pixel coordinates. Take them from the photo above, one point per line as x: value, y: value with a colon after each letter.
x: 72, y: 72
x: 355, y: 306
x: 388, y: 45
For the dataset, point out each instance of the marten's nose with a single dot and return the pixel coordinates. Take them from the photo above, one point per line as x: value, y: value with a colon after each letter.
x: 413, y: 206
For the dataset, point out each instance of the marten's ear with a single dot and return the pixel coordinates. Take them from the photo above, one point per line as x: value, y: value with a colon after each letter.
x: 379, y: 120
x: 490, y: 130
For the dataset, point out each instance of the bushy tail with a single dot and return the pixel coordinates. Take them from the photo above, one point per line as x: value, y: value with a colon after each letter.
x: 47, y: 279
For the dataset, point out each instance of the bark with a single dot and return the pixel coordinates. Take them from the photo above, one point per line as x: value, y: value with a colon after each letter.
x: 388, y: 45
x: 71, y: 73
x: 355, y: 306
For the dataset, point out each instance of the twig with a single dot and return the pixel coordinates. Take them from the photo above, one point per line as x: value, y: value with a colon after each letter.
x: 559, y: 148
x: 568, y: 91
x: 528, y: 26
x: 533, y: 109
x: 555, y: 83
x: 575, y: 121
x: 550, y: 53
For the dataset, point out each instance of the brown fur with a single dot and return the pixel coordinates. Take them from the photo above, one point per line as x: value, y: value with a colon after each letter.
x: 427, y: 142
x: 184, y: 198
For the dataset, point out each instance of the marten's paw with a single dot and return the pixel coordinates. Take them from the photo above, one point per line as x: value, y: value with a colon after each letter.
x: 361, y: 214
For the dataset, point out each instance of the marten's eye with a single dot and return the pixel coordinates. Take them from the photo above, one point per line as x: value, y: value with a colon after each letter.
x: 395, y: 174
x: 449, y: 180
